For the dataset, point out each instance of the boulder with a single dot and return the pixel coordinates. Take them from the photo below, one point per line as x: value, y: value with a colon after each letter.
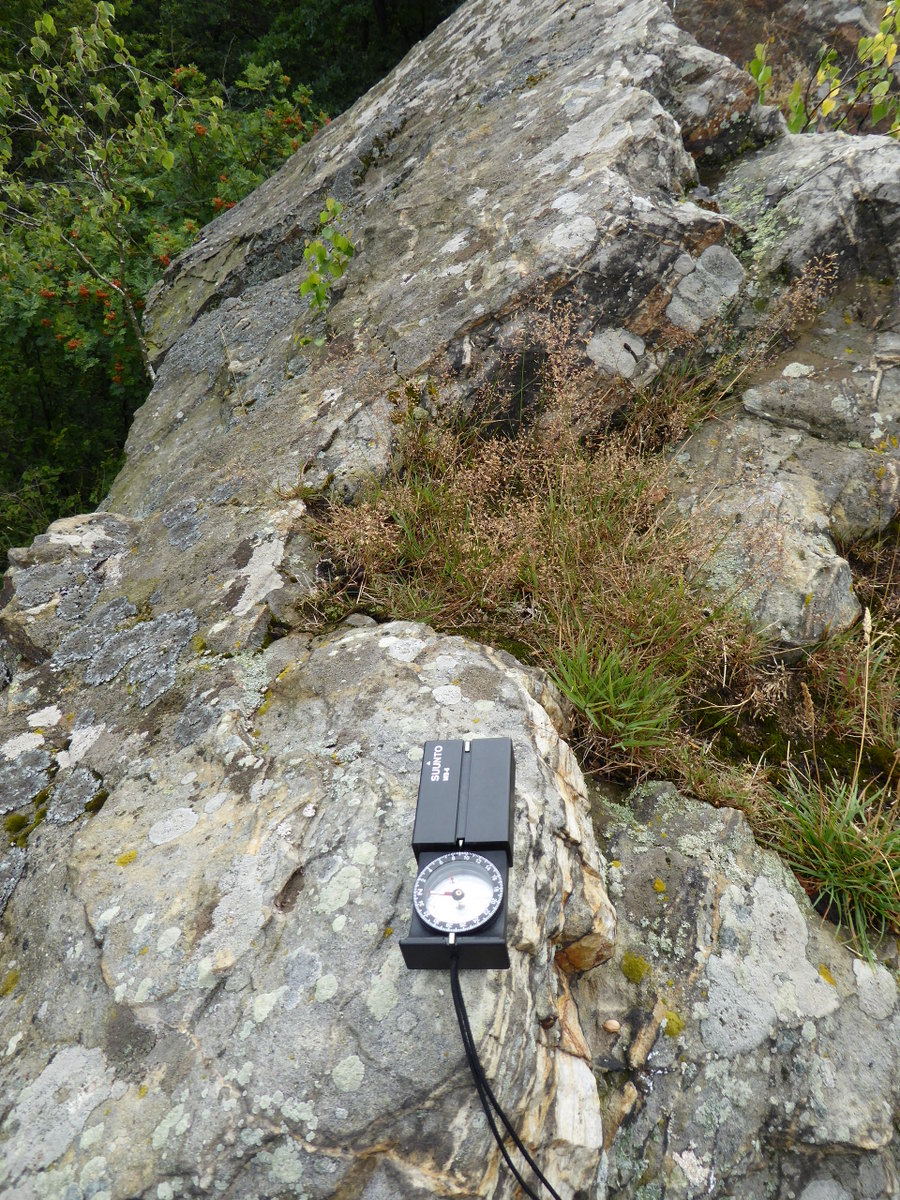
x: 810, y: 458
x: 213, y: 999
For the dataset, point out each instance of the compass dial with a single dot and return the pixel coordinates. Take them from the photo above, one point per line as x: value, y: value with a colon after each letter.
x: 458, y: 892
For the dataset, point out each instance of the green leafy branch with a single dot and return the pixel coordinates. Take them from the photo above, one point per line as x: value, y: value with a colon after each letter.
x: 327, y: 255
x: 760, y: 70
x: 834, y: 94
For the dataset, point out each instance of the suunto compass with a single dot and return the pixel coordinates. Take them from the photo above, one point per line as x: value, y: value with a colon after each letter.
x: 463, y: 841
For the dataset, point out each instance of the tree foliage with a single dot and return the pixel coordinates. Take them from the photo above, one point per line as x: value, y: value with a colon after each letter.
x: 122, y: 132
x: 107, y: 171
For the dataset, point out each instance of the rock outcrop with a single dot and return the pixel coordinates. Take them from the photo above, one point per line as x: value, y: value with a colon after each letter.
x: 812, y: 458
x: 209, y: 810
x: 754, y: 1057
x: 215, y: 999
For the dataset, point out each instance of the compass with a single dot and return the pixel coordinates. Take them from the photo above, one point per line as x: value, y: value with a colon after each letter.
x: 463, y: 842
x: 458, y: 892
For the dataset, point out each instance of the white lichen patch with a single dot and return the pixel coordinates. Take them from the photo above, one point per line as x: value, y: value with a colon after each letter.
x: 176, y: 1122
x: 449, y: 693
x: 336, y: 892
x: 285, y: 1165
x: 616, y: 351
x: 91, y: 1136
x: 326, y: 988
x: 265, y: 1003
x: 167, y: 939
x: 454, y: 244
x: 696, y: 1174
x: 753, y: 989
x: 300, y: 1110
x: 445, y: 663
x: 81, y: 742
x: 173, y: 825
x: 572, y: 239
x: 45, y: 718
x: 106, y: 918
x: 261, y: 575
x: 568, y: 203
x: 364, y: 854
x: 402, y: 649
x: 142, y: 995
x: 20, y: 744
x: 382, y: 997
x: 348, y: 1074
x: 53, y: 1110
x: 877, y: 989
x: 215, y: 803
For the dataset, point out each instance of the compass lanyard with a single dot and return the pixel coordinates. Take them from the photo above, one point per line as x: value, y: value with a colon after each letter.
x: 485, y: 1092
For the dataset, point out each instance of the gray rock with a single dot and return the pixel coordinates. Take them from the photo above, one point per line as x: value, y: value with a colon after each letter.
x: 71, y: 795
x: 233, y: 915
x: 819, y: 194
x: 807, y: 461
x: 812, y: 457
x: 755, y: 1056
x: 705, y: 289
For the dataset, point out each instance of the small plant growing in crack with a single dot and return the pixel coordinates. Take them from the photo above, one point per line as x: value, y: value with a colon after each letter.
x: 327, y: 256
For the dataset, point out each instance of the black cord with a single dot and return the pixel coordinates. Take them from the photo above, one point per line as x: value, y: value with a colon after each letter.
x: 485, y: 1093
x: 481, y: 1084
x: 472, y: 1054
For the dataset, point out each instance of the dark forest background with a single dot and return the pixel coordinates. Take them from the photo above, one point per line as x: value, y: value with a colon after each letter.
x: 123, y: 132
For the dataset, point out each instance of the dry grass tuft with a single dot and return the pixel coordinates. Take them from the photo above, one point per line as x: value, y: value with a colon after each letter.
x: 541, y: 524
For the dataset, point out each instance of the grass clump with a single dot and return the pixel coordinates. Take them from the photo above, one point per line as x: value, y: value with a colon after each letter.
x: 841, y: 837
x: 843, y: 843
x: 542, y: 524
x: 556, y: 542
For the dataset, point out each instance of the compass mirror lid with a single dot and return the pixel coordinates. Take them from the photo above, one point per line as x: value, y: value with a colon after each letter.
x: 466, y: 795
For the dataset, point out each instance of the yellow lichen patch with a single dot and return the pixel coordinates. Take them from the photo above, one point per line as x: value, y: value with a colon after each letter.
x: 142, y: 1091
x: 827, y: 975
x: 659, y: 886
x: 674, y: 1024
x: 10, y: 979
x: 128, y: 857
x: 634, y: 967
x: 615, y: 863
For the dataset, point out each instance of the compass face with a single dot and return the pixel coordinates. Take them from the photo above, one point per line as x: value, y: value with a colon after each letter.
x: 458, y: 892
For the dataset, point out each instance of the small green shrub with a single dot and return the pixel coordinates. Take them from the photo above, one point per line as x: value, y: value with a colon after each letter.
x: 327, y: 255
x: 837, y: 94
x: 760, y: 70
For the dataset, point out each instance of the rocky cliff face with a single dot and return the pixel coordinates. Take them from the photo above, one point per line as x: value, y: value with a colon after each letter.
x: 200, y: 985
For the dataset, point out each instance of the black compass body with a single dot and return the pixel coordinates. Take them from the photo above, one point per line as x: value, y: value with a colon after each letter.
x: 463, y: 844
